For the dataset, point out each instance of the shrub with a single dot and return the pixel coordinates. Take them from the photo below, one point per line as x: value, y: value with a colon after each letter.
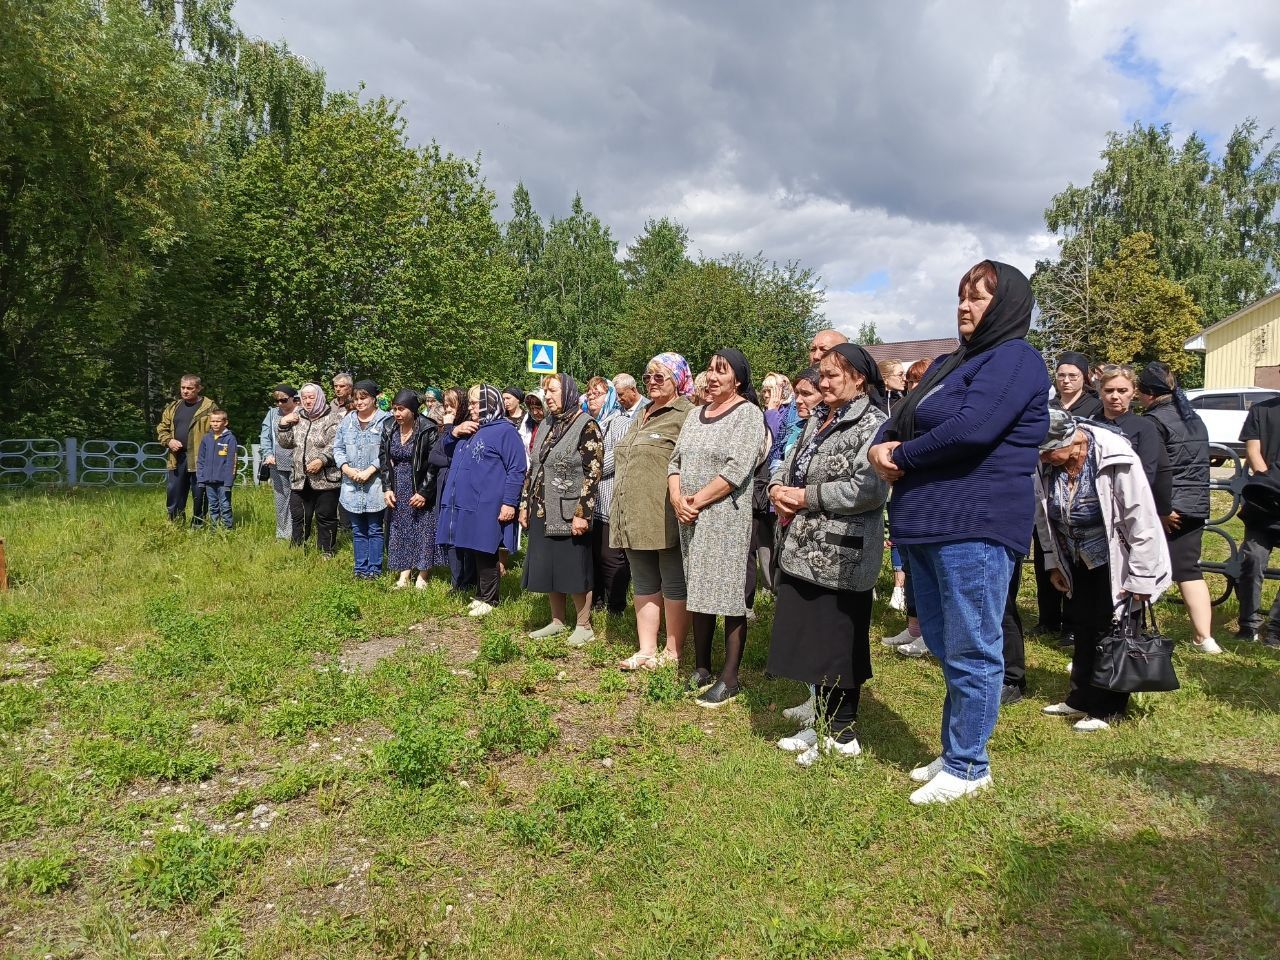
x: 40, y: 875
x: 498, y: 647
x: 421, y: 753
x: 511, y: 722
x: 192, y: 866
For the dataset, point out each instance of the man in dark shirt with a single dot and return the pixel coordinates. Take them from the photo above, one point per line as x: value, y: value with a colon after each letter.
x: 1261, y: 437
x: 182, y: 426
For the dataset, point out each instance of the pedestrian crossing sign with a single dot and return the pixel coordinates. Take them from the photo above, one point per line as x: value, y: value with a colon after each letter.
x: 542, y: 356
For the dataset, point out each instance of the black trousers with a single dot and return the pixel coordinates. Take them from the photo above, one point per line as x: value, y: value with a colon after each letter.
x: 487, y: 576
x: 179, y: 484
x: 611, y: 573
x: 1015, y: 652
x: 838, y: 706
x: 1049, y: 600
x: 322, y: 506
x: 1091, y: 609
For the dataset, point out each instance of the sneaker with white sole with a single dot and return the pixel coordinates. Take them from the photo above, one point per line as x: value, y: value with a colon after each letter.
x: 915, y: 648
x: 580, y: 637
x: 481, y: 609
x: 802, y: 712
x: 1090, y: 725
x: 1062, y: 710
x: 898, y: 599
x: 927, y: 772
x: 898, y: 639
x: 1207, y: 645
x: 799, y: 741
x: 831, y: 747
x: 946, y: 787
x: 552, y: 629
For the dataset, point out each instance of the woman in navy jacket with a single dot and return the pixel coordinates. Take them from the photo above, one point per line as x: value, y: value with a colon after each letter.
x: 478, y: 508
x: 960, y: 451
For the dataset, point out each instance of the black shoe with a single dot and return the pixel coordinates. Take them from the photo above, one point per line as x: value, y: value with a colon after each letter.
x: 1010, y: 694
x: 1271, y: 640
x: 1245, y: 633
x: 717, y: 696
x: 1067, y: 641
x: 699, y: 680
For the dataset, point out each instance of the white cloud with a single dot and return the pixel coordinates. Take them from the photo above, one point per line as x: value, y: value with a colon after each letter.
x: 905, y: 140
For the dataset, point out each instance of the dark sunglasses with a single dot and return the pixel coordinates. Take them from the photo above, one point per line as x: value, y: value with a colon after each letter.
x: 283, y: 399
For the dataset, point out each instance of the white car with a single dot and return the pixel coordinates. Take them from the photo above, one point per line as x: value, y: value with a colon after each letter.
x: 1223, y: 411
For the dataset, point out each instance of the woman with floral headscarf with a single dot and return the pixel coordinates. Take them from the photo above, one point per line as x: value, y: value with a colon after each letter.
x: 557, y: 507
x: 642, y: 519
x: 309, y: 431
x: 610, y: 574
x: 478, y: 508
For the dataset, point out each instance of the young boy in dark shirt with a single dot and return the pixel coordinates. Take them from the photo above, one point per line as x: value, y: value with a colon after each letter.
x: 216, y: 463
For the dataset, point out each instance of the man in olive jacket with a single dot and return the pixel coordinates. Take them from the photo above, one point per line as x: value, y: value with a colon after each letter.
x: 182, y: 426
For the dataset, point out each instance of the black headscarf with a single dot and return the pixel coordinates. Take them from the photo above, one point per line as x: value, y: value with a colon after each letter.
x: 1077, y: 360
x: 408, y: 399
x: 1008, y: 317
x: 1153, y: 381
x: 866, y: 365
x: 742, y: 370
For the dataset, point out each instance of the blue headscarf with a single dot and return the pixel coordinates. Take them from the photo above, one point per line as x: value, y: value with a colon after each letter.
x: 611, y: 405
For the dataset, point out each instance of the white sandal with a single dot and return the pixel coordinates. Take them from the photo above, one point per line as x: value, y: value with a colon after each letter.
x: 638, y: 661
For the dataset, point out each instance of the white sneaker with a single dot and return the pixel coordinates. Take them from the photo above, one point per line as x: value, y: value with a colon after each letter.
x: 751, y: 615
x: 830, y: 746
x: 946, y: 787
x: 580, y: 637
x: 1207, y: 645
x: 898, y: 599
x: 552, y: 629
x: 805, y: 738
x: 1062, y: 710
x: 927, y: 772
x: 472, y: 605
x: 1090, y: 725
x: 1068, y: 668
x: 915, y: 648
x: 898, y: 639
x: 802, y: 712
x: 481, y: 609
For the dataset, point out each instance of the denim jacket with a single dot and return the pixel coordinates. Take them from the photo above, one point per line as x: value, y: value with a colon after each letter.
x: 360, y: 449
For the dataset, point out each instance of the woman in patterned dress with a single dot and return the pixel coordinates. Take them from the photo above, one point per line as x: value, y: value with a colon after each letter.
x: 410, y: 489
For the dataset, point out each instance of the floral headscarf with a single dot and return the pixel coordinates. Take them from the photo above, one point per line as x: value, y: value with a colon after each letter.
x: 316, y: 409
x: 679, y: 368
x: 491, y: 407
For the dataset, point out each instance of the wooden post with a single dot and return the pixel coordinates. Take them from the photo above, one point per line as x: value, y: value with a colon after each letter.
x: 4, y: 569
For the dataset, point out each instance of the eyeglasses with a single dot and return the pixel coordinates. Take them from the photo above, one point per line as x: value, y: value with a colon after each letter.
x: 657, y: 379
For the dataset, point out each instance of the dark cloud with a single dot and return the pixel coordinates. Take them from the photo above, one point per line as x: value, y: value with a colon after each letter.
x: 788, y: 127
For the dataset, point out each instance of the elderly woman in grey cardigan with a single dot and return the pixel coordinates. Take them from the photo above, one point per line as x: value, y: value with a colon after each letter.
x: 830, y: 542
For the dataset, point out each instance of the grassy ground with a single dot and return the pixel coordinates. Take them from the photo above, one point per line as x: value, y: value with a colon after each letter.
x: 213, y: 746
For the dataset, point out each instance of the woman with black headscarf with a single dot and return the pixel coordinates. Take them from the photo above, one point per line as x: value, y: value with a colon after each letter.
x: 478, y: 506
x: 557, y: 506
x: 1186, y: 443
x: 1074, y: 384
x: 709, y: 482
x: 960, y: 451
x: 409, y: 485
x: 830, y: 508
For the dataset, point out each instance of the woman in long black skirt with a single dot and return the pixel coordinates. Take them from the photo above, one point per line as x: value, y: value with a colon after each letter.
x: 830, y: 507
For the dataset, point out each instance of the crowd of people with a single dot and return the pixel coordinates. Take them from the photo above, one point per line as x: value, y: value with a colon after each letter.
x: 683, y: 495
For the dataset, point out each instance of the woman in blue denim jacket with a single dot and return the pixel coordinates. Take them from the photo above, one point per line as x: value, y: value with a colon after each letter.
x: 357, y: 452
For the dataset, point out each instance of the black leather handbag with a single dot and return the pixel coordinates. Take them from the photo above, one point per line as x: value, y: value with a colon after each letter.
x: 1134, y: 657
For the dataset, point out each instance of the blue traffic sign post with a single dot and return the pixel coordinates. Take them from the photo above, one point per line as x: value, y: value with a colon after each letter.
x: 543, y: 356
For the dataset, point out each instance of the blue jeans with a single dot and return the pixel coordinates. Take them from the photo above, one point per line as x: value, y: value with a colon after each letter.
x: 960, y: 591
x: 366, y: 542
x: 218, y: 498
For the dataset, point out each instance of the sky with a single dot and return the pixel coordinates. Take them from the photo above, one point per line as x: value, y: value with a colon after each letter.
x: 886, y: 144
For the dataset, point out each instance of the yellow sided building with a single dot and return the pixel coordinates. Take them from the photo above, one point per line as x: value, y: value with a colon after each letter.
x: 1242, y: 350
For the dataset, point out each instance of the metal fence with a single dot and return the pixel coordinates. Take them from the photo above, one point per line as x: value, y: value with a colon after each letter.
x: 43, y: 461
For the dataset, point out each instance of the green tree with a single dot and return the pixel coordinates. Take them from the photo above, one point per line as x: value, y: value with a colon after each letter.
x: 1214, y: 223
x: 104, y: 169
x: 1144, y: 315
x: 867, y: 335
x: 579, y: 291
x: 656, y: 257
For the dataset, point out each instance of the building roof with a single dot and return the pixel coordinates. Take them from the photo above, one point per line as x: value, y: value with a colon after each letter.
x: 909, y: 351
x: 1197, y: 343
